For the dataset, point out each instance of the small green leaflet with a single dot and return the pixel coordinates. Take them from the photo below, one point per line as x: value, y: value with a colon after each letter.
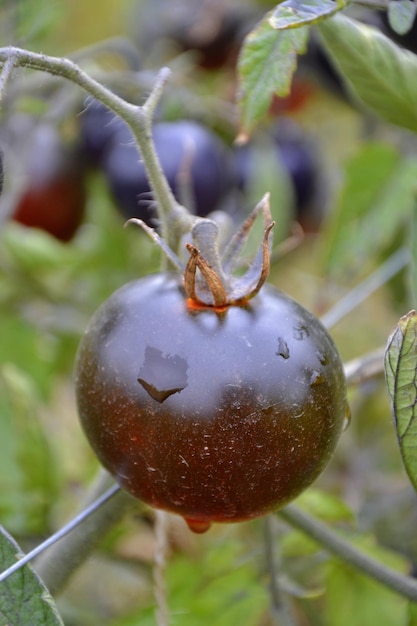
x: 24, y: 600
x: 296, y: 13
x: 379, y: 72
x: 401, y: 377
x: 401, y: 15
x: 266, y: 65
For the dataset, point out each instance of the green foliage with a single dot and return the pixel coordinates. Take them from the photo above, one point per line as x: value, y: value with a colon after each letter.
x: 401, y: 368
x: 220, y: 586
x: 49, y: 290
x: 27, y: 486
x: 375, y: 203
x: 296, y: 13
x: 29, y: 21
x: 412, y: 615
x: 379, y: 73
x: 351, y: 598
x: 325, y: 506
x: 23, y: 597
x: 238, y: 598
x: 266, y: 64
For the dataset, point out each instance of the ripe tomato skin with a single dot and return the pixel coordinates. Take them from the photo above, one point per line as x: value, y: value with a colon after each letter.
x: 56, y: 206
x: 216, y: 417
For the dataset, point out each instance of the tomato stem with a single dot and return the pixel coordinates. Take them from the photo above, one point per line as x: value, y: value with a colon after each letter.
x: 340, y: 547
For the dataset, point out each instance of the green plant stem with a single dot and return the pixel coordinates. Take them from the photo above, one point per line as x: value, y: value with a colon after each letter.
x: 394, y: 264
x: 159, y: 568
x: 6, y: 73
x: 280, y: 606
x: 333, y: 542
x: 138, y: 118
x: 365, y: 367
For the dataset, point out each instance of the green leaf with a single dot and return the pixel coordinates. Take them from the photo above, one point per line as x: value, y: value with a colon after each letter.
x: 401, y: 377
x: 221, y: 587
x: 24, y: 599
x: 380, y: 73
x: 401, y: 15
x: 296, y: 13
x: 375, y: 202
x: 35, y: 19
x: 27, y: 484
x: 353, y: 598
x: 266, y: 65
x: 412, y: 614
x: 412, y: 277
x: 325, y: 506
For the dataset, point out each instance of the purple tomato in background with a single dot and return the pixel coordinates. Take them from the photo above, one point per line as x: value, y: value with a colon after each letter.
x: 197, y: 164
x: 298, y: 156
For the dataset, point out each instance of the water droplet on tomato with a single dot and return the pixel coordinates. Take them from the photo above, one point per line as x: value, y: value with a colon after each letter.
x: 197, y: 526
x: 283, y: 349
x: 162, y: 375
x: 300, y: 331
x: 322, y: 357
x: 347, y: 418
x: 316, y: 378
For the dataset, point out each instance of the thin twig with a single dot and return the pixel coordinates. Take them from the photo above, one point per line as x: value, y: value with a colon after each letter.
x: 70, y: 526
x: 156, y: 93
x: 6, y: 73
x: 280, y: 608
x: 394, y: 264
x: 333, y: 542
x: 364, y: 368
x: 160, y: 557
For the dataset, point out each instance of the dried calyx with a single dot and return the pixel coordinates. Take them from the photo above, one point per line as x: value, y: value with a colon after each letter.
x: 209, y: 274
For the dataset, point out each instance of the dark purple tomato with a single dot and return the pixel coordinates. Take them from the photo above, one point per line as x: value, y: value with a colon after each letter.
x: 297, y: 155
x: 216, y: 416
x: 53, y: 197
x: 196, y: 163
x: 98, y: 127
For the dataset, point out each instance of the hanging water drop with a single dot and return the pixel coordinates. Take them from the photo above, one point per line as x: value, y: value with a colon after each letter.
x: 197, y: 526
x: 347, y: 418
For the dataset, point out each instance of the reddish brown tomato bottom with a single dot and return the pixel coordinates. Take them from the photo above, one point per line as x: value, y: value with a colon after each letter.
x: 218, y: 418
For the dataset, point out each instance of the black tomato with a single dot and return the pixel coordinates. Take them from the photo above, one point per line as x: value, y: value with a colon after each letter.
x: 297, y: 154
x: 196, y: 163
x: 218, y: 416
x: 98, y: 127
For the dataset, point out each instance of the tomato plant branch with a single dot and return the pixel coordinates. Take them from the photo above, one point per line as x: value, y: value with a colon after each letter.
x: 333, y: 542
x: 160, y: 558
x: 280, y: 609
x: 6, y: 73
x: 62, y: 532
x: 138, y: 118
x: 80, y: 536
x: 363, y: 368
x: 394, y: 264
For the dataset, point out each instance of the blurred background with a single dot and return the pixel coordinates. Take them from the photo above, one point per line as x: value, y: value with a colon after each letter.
x: 70, y: 180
